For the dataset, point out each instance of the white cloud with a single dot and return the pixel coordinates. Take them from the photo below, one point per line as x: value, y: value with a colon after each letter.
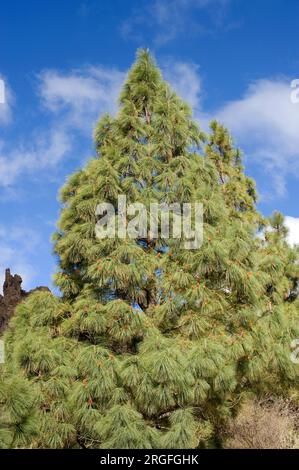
x: 293, y: 225
x: 267, y: 123
x: 81, y: 95
x: 264, y: 122
x: 45, y: 152
x: 74, y: 102
x: 185, y: 80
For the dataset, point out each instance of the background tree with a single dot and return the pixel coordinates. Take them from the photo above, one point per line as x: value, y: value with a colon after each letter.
x: 239, y: 191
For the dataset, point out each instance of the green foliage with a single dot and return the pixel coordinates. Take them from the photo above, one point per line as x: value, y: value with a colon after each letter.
x: 152, y: 345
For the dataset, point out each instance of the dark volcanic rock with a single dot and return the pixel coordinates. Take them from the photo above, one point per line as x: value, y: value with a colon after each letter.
x: 12, y: 295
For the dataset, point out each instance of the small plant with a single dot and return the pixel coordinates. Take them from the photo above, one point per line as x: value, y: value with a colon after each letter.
x: 264, y: 425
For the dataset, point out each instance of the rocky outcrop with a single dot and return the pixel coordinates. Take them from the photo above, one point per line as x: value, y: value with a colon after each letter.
x: 13, y: 294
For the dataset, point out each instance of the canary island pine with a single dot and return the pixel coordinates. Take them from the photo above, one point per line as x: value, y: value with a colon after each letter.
x: 152, y: 345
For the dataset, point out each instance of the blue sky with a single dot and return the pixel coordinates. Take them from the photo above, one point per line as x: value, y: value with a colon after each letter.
x: 63, y: 62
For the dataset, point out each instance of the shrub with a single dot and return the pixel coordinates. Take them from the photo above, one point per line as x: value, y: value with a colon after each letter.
x: 263, y: 425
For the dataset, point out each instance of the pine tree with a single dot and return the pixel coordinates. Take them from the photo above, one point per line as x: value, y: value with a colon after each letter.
x: 238, y: 190
x: 281, y: 261
x: 151, y: 345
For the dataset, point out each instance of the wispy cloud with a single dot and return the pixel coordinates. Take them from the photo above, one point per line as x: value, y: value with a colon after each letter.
x: 80, y: 95
x: 264, y: 121
x: 44, y: 153
x: 185, y: 79
x: 169, y: 18
x: 83, y: 10
x: 72, y: 102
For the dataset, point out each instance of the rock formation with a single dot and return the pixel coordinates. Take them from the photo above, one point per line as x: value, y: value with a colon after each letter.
x: 12, y: 295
